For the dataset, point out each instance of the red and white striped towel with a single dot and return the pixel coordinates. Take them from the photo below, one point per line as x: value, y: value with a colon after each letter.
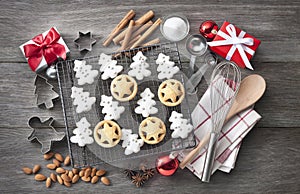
x: 230, y: 138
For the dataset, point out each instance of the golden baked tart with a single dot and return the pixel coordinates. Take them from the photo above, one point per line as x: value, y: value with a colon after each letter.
x: 123, y: 88
x: 171, y: 92
x: 107, y: 133
x: 152, y: 130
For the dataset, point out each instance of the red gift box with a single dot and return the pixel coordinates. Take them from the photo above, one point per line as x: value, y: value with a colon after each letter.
x: 44, y: 49
x: 235, y: 45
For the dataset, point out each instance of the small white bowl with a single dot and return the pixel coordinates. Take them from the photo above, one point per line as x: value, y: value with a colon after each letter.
x: 175, y: 27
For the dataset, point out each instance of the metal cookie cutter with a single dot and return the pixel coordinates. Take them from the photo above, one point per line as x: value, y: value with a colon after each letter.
x: 44, y: 132
x: 85, y: 41
x: 44, y: 92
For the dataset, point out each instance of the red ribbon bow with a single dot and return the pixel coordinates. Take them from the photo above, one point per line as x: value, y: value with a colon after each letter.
x: 47, y: 47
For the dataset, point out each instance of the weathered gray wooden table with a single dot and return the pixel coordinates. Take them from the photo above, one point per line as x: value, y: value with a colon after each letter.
x: 270, y: 154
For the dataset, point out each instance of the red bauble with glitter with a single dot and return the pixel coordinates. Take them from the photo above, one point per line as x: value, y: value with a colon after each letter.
x: 166, y: 166
x: 209, y: 29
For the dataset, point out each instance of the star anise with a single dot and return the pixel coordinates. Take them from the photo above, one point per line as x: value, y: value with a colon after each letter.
x: 129, y: 173
x: 138, y: 180
x: 148, y: 173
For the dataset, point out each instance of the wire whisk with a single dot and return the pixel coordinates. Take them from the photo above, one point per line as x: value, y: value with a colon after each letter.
x: 224, y: 85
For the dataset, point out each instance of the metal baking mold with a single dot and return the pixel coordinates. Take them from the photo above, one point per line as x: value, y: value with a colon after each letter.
x: 85, y: 41
x: 44, y: 92
x: 44, y: 132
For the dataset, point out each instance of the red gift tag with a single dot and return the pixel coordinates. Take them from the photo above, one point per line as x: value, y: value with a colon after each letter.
x: 235, y: 45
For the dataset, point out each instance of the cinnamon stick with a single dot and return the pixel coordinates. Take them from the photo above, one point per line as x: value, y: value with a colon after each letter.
x: 151, y: 42
x: 136, y: 33
x: 127, y: 35
x: 147, y: 33
x: 119, y: 27
x: 139, y: 22
x: 132, y: 40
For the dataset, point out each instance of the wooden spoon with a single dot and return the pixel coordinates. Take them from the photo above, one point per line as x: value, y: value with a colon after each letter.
x: 251, y: 90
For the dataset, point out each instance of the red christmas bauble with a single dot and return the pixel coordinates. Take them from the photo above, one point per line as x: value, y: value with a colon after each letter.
x: 166, y: 166
x: 209, y: 29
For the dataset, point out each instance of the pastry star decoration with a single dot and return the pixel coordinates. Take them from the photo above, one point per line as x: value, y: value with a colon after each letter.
x: 153, y: 130
x: 108, y: 133
x: 123, y: 87
x: 171, y: 91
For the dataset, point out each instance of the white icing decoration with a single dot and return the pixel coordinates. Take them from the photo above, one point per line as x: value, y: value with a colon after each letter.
x: 82, y: 100
x: 166, y: 68
x: 111, y: 108
x: 146, y: 104
x: 82, y: 133
x: 180, y: 125
x: 139, y: 67
x: 109, y: 67
x: 84, y: 72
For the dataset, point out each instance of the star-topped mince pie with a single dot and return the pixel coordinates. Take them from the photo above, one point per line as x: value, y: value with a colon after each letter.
x: 107, y: 133
x: 123, y: 88
x: 152, y: 130
x: 171, y: 92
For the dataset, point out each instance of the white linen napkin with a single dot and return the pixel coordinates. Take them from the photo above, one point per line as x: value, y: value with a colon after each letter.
x: 230, y: 138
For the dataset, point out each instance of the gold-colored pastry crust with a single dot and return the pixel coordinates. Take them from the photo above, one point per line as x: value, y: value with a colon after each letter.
x: 107, y: 133
x: 171, y: 92
x: 152, y: 130
x: 123, y: 88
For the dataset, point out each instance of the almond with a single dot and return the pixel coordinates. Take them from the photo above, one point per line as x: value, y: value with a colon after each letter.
x: 67, y: 161
x: 93, y: 173
x: 27, y: 170
x: 75, y: 178
x: 60, y: 170
x: 56, y: 162
x: 66, y: 172
x: 100, y: 172
x: 58, y: 157
x: 86, y: 179
x: 59, y: 180
x: 36, y: 168
x: 48, y: 156
x: 75, y: 170
x: 48, y: 182
x: 40, y: 177
x: 87, y: 172
x: 94, y: 179
x: 105, y: 180
x: 70, y: 174
x: 68, y: 184
x: 66, y: 178
x: 51, y: 166
x: 81, y: 173
x: 53, y: 177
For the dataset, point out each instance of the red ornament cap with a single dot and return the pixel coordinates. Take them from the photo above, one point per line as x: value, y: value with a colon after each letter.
x: 209, y: 29
x: 166, y: 166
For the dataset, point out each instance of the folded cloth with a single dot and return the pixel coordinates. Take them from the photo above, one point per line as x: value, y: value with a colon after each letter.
x: 230, y: 139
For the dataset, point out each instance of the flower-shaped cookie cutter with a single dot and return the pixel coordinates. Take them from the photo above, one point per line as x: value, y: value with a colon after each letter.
x: 85, y: 41
x: 44, y: 132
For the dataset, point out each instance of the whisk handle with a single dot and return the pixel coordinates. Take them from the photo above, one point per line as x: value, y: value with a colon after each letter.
x: 210, y: 156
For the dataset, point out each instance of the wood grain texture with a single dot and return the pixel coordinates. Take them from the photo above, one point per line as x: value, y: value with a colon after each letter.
x: 268, y: 161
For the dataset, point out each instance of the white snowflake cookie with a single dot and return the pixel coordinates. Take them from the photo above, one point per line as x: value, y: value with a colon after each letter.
x: 180, y: 125
x: 84, y: 72
x: 82, y: 99
x: 111, y: 108
x: 82, y: 134
x: 166, y: 68
x: 146, y: 104
x: 139, y: 67
x: 131, y: 143
x: 109, y: 67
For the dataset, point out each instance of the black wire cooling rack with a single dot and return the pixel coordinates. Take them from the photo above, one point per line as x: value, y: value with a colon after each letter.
x: 93, y: 154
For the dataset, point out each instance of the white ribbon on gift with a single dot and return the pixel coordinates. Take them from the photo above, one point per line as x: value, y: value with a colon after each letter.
x: 237, y: 42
